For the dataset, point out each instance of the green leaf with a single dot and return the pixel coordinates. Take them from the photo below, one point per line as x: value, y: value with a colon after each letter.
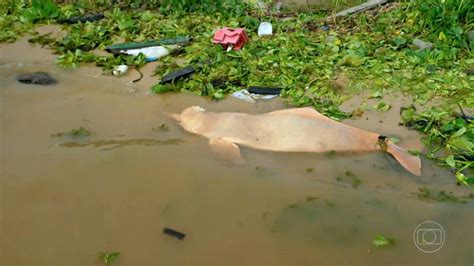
x: 381, y: 241
x: 450, y: 161
x: 382, y: 106
x: 108, y: 258
x: 159, y: 88
x: 376, y: 94
x: 459, y: 133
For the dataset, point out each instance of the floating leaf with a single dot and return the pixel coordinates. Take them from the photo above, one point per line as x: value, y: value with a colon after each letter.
x: 381, y: 241
x: 108, y: 258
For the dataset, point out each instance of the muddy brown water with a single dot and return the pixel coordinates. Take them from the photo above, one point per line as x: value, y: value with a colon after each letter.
x: 64, y: 200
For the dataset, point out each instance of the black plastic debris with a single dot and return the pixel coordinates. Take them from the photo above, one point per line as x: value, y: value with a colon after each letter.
x: 85, y: 18
x: 470, y: 72
x: 174, y: 233
x: 178, y: 74
x: 38, y: 78
x: 264, y: 90
x: 182, y: 72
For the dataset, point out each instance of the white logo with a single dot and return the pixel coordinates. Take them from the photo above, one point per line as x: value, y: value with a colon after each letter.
x: 429, y: 236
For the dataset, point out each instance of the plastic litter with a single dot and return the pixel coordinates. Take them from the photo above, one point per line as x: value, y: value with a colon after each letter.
x: 247, y: 96
x: 264, y: 90
x: 182, y: 72
x: 422, y: 45
x: 265, y: 28
x: 118, y: 48
x: 234, y: 38
x: 120, y: 70
x: 85, y: 18
x: 151, y: 53
x: 174, y: 233
x: 178, y: 74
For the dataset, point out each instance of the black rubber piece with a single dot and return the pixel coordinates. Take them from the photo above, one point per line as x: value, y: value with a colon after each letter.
x: 178, y: 74
x: 139, y: 78
x: 85, y: 18
x: 174, y: 233
x: 264, y: 90
x: 183, y: 72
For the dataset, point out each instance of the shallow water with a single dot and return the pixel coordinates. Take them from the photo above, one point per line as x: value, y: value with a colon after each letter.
x: 65, y: 199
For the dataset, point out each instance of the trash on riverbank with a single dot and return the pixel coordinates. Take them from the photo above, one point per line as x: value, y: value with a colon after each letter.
x: 247, y: 96
x: 37, y: 78
x: 231, y: 38
x: 264, y: 90
x: 174, y: 233
x: 120, y: 70
x: 182, y: 72
x: 265, y: 28
x: 151, y: 53
x: 175, y: 75
x: 359, y: 8
x: 422, y: 45
x: 83, y: 19
x: 119, y: 48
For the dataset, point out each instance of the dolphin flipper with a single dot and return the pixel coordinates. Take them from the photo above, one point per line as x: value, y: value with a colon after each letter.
x: 226, y: 150
x: 410, y: 162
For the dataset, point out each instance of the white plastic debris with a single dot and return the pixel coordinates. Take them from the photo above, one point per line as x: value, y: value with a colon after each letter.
x: 265, y: 28
x: 152, y: 53
x: 120, y: 70
x: 251, y: 97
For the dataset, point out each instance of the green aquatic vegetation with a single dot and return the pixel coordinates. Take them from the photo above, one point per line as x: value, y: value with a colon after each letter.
x: 443, y: 22
x: 381, y: 241
x: 356, y: 181
x: 450, y: 137
x: 381, y: 106
x: 108, y: 258
x: 311, y: 198
x: 440, y: 196
x: 86, y: 37
x: 293, y: 206
x: 43, y: 40
x: 75, y: 133
x: 12, y: 23
x: 41, y: 10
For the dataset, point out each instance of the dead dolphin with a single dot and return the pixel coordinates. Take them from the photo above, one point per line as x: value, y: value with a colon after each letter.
x: 289, y: 130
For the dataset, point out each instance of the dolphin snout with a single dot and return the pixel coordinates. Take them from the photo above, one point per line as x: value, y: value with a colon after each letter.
x: 176, y: 117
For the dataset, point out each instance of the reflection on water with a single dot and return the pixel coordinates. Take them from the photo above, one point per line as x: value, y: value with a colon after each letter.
x: 63, y: 205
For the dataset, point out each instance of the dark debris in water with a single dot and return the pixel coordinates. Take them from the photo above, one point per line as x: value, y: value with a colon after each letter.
x: 36, y: 78
x: 174, y: 233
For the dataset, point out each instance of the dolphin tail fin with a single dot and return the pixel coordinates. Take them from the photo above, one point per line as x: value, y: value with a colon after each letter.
x: 410, y: 162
